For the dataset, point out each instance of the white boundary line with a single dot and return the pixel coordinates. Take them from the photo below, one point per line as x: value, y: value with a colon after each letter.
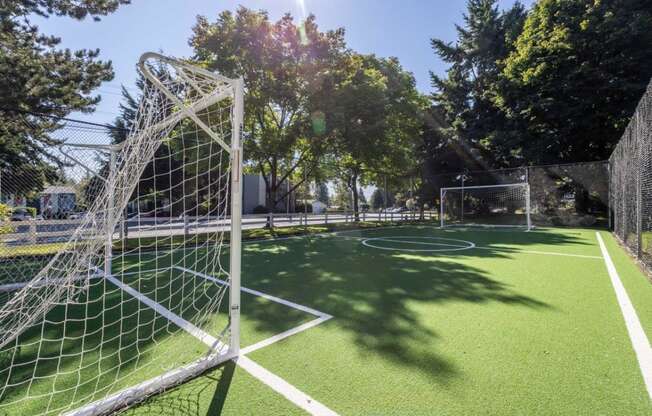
x: 273, y: 381
x: 282, y: 387
x: 257, y: 293
x: 634, y: 328
x: 283, y: 335
x: 204, y: 337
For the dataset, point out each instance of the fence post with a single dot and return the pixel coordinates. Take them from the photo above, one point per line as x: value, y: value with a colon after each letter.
x: 186, y: 228
x: 32, y: 231
x: 639, y: 206
x: 364, y: 216
x: 609, y: 196
x: 325, y: 217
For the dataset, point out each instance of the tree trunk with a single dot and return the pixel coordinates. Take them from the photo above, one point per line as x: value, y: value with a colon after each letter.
x: 270, y: 198
x: 354, y: 188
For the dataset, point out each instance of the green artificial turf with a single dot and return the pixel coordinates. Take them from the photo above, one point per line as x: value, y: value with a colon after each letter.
x: 500, y: 329
x: 107, y: 340
x: 493, y: 330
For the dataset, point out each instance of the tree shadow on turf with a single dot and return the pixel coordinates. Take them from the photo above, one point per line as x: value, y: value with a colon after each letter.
x: 374, y: 295
x: 205, y: 395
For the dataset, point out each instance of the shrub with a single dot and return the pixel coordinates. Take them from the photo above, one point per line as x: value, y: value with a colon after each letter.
x: 260, y: 209
x: 5, y: 214
x: 299, y: 208
x: 587, y: 221
x: 32, y: 211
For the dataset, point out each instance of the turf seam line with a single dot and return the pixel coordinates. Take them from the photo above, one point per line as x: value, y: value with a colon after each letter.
x: 635, y: 330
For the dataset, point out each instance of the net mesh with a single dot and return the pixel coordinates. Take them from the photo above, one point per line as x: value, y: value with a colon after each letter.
x: 631, y: 182
x: 107, y: 320
x: 496, y: 205
x: 574, y: 194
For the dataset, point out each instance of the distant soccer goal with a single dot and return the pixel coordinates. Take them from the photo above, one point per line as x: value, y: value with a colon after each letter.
x: 108, y: 321
x: 489, y: 206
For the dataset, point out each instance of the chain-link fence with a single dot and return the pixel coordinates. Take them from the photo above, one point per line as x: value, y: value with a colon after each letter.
x: 631, y: 182
x: 44, y: 200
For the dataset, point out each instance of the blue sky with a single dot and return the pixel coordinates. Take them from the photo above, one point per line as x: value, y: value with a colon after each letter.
x: 383, y: 27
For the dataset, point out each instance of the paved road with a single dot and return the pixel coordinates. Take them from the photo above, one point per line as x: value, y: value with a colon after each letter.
x: 49, y: 231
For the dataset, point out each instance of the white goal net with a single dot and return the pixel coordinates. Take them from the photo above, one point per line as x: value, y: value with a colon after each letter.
x: 491, y: 205
x: 114, y: 317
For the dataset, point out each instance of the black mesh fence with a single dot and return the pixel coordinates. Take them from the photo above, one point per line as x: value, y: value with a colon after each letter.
x: 631, y: 182
x: 575, y: 195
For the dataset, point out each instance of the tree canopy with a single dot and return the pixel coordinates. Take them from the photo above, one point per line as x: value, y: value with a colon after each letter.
x: 284, y: 66
x: 554, y: 84
x: 575, y: 76
x: 38, y: 77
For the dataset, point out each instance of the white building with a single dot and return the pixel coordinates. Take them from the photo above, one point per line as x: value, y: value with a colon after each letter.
x: 254, y: 193
x: 318, y: 207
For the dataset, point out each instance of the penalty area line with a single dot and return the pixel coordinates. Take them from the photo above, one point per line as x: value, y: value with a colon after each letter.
x: 270, y: 379
x: 635, y: 330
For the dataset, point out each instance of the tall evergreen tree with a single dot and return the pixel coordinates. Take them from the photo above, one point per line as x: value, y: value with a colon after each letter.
x: 470, y: 121
x: 37, y: 77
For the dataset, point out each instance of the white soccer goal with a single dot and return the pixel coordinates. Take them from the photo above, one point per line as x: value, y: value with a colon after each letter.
x: 109, y: 321
x: 505, y: 205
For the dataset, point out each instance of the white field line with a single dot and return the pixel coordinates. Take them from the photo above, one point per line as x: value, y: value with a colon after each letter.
x: 285, y: 334
x: 546, y: 253
x: 11, y: 287
x: 261, y: 294
x: 284, y: 388
x: 389, y: 239
x: 204, y: 337
x: 276, y: 383
x: 634, y: 328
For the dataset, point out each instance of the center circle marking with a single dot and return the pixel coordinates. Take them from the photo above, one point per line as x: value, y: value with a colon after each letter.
x: 439, y: 244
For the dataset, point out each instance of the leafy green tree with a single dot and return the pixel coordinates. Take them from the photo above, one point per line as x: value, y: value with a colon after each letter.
x: 342, y: 197
x: 464, y: 120
x: 284, y: 66
x: 373, y: 119
x: 377, y: 199
x: 575, y: 77
x: 361, y: 196
x: 322, y: 193
x: 37, y: 77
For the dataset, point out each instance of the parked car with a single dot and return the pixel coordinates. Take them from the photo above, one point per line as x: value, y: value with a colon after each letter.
x: 77, y: 216
x: 20, y: 214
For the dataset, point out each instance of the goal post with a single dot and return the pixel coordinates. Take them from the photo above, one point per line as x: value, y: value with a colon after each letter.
x: 107, y: 322
x: 504, y: 205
